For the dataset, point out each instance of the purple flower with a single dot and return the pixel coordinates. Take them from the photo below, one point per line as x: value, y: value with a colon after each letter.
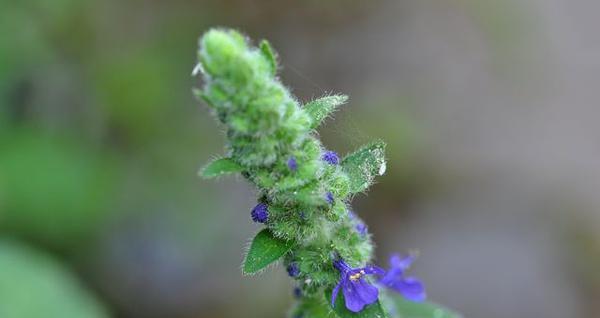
x: 292, y: 163
x: 331, y: 157
x: 409, y: 287
x: 358, y: 292
x: 329, y: 197
x: 260, y: 213
x: 293, y: 269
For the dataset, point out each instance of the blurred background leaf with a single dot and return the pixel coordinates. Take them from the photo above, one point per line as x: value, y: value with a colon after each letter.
x: 53, y: 190
x: 34, y: 284
x: 408, y: 309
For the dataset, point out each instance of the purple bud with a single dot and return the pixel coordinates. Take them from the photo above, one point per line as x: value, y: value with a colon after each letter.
x: 331, y: 157
x: 293, y: 270
x: 351, y: 215
x: 361, y: 228
x: 292, y: 164
x: 329, y: 197
x: 260, y: 213
x: 297, y: 292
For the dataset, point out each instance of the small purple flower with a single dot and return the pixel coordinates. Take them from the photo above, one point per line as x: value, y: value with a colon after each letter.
x: 361, y: 228
x: 293, y: 269
x: 331, y: 157
x: 358, y: 292
x: 260, y: 213
x: 292, y: 164
x: 329, y: 197
x: 409, y: 287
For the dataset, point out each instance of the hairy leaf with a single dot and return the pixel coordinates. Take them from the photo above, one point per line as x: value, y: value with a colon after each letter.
x: 363, y: 165
x: 409, y: 309
x: 373, y: 310
x: 268, y: 52
x: 320, y: 108
x: 264, y: 250
x: 220, y: 167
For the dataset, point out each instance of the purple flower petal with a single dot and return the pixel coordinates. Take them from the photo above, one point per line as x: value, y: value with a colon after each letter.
x: 358, y: 294
x: 411, y: 288
x: 372, y: 269
x: 401, y: 262
x: 336, y: 291
x: 357, y: 291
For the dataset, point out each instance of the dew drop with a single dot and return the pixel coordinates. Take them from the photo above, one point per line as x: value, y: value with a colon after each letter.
x: 382, y: 168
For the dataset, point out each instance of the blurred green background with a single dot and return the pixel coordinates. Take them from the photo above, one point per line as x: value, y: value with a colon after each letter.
x: 490, y: 109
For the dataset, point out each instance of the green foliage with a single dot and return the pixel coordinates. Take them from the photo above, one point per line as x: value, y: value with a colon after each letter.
x: 363, y: 165
x: 320, y: 108
x: 33, y: 285
x: 408, y: 309
x: 264, y: 250
x: 371, y: 311
x: 220, y: 167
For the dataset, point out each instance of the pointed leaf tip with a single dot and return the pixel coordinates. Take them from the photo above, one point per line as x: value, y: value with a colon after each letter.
x: 264, y: 250
x: 364, y: 164
x: 320, y: 108
x: 220, y: 167
x: 269, y: 53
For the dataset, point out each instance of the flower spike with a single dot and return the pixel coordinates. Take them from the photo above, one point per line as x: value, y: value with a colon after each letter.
x: 304, y: 191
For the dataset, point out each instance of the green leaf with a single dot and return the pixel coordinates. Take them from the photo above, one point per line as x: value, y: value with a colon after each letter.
x: 264, y: 250
x: 269, y: 53
x: 409, y: 309
x: 220, y: 167
x: 34, y: 284
x: 363, y: 165
x: 320, y: 108
x: 373, y: 310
